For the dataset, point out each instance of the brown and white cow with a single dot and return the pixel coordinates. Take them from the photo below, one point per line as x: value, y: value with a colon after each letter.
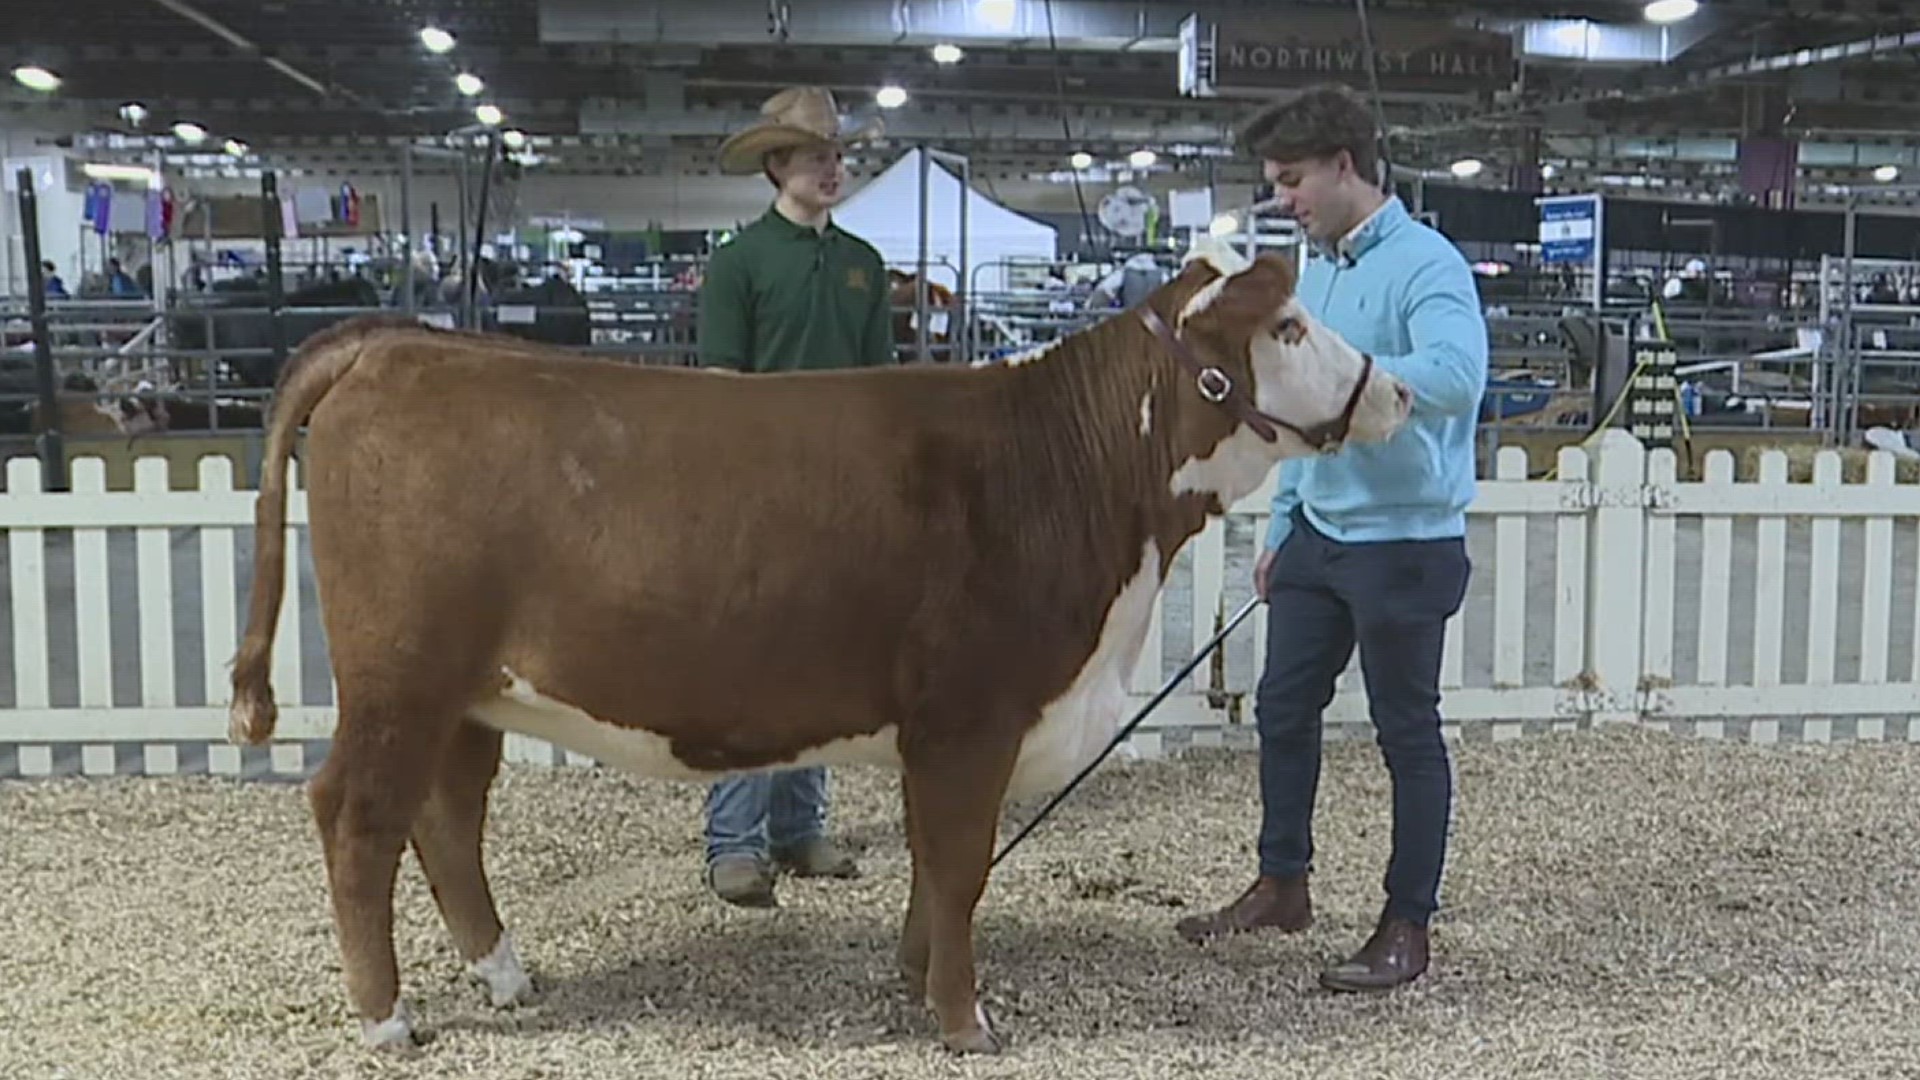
x: 948, y: 571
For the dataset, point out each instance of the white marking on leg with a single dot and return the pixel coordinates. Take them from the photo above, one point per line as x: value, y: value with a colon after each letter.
x: 246, y: 720
x: 1077, y: 725
x: 507, y: 982
x: 1146, y: 413
x: 395, y: 1030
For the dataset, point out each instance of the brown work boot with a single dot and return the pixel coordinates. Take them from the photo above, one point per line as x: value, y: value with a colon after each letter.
x: 1269, y: 903
x: 1395, y: 955
x: 817, y: 857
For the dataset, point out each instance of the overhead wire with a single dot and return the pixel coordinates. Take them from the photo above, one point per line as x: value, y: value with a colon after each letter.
x: 1384, y: 167
x: 1066, y: 130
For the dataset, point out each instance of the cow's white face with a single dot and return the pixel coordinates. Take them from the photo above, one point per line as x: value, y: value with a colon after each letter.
x: 1250, y: 322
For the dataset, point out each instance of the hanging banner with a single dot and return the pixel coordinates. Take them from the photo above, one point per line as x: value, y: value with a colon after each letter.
x: 97, y: 210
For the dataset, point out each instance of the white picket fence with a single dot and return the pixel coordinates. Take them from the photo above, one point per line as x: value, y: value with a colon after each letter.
x: 1613, y: 592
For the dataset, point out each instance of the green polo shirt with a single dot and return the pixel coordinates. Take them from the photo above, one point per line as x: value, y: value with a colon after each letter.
x: 784, y: 297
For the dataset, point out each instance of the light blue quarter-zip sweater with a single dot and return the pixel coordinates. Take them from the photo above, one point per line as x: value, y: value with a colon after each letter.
x: 1401, y: 292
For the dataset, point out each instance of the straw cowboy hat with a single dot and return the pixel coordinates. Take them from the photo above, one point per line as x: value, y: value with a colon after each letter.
x: 796, y: 116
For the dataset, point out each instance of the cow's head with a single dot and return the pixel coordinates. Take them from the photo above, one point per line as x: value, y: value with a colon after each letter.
x: 1323, y: 392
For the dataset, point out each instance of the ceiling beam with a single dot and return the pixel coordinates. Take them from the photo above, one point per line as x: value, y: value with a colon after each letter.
x: 1695, y: 81
x: 246, y: 45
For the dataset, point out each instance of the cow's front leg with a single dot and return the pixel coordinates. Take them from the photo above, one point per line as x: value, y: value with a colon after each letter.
x: 956, y: 790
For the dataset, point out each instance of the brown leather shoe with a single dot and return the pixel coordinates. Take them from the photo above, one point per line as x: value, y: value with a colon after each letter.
x: 1395, y: 955
x: 1269, y: 903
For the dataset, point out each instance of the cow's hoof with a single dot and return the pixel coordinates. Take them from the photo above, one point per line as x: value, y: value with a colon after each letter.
x: 978, y: 1038
x: 394, y: 1034
x: 507, y: 982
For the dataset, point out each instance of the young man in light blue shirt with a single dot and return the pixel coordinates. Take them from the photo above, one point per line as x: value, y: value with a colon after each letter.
x: 1367, y: 548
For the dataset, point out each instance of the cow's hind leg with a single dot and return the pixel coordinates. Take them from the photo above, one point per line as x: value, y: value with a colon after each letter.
x: 956, y: 791
x: 913, y: 930
x: 365, y: 800
x: 448, y: 838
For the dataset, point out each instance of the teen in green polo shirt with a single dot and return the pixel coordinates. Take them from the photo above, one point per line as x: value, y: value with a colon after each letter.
x: 782, y: 295
x: 792, y: 291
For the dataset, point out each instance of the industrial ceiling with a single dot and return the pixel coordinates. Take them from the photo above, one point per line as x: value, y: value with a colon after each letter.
x: 1547, y: 93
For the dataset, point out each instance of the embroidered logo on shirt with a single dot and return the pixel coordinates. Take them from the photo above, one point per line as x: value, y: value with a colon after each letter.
x: 857, y: 278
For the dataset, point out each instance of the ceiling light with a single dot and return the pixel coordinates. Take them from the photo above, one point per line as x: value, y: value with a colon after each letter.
x: 1549, y: 171
x: 1224, y: 225
x: 100, y: 171
x: 133, y: 113
x: 1466, y: 168
x: 468, y: 83
x: 515, y: 139
x: 997, y: 14
x: 944, y: 53
x: 1141, y: 159
x: 435, y: 39
x: 1668, y: 11
x: 1081, y: 160
x: 488, y: 114
x: 35, y: 78
x: 187, y: 132
x: 1887, y: 174
x: 236, y: 148
x: 890, y: 97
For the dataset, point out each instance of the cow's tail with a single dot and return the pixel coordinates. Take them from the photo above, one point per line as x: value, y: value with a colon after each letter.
x: 313, y: 370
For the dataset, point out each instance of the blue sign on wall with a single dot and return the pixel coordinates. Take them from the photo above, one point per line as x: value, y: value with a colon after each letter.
x: 1569, y: 227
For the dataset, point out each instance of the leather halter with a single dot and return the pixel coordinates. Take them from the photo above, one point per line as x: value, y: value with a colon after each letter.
x: 1218, y: 387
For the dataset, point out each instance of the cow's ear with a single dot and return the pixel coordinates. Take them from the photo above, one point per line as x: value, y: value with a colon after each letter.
x: 1255, y: 296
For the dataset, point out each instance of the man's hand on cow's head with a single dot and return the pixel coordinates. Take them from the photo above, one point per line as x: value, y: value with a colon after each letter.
x: 1298, y: 342
x: 1303, y: 373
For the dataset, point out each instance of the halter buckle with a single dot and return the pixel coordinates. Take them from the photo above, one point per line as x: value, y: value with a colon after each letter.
x: 1214, y: 384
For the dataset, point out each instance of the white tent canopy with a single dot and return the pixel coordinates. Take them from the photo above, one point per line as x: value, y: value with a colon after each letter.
x: 886, y: 213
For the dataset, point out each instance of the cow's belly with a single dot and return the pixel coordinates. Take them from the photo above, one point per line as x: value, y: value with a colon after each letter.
x: 523, y: 710
x: 1076, y: 726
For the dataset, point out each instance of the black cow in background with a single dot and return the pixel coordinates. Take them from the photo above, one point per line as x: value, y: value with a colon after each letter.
x: 187, y: 328
x: 560, y: 312
x: 17, y: 392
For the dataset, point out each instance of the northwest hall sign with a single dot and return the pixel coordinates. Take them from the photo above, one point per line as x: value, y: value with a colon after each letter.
x: 1410, y: 53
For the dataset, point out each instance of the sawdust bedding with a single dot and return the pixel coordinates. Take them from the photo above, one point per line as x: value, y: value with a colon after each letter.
x: 1619, y: 904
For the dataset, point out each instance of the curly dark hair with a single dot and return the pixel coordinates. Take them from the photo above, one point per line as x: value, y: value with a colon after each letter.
x: 1320, y: 123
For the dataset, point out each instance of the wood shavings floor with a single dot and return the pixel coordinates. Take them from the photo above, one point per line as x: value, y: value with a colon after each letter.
x: 1619, y: 904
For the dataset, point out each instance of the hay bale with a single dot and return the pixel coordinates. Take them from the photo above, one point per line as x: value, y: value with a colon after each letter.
x: 1623, y: 904
x: 1801, y: 459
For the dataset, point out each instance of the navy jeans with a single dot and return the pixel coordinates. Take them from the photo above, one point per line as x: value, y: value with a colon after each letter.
x: 749, y: 813
x: 1392, y: 599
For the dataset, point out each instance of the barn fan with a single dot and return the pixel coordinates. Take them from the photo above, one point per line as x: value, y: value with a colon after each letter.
x: 1124, y: 211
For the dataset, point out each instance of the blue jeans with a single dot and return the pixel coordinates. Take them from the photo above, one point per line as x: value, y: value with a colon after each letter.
x: 748, y: 814
x: 1393, y: 600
